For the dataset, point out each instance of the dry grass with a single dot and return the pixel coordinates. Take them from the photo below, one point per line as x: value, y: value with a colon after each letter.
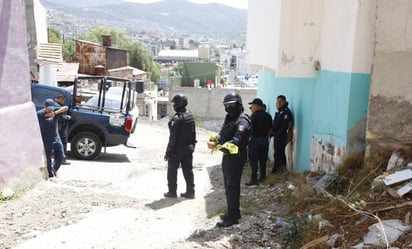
x: 351, y: 185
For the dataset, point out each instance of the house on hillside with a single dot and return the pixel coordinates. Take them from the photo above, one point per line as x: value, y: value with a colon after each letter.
x: 201, y: 74
x: 173, y: 56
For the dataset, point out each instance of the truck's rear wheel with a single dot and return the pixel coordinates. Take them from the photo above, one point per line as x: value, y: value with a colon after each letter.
x: 86, y: 145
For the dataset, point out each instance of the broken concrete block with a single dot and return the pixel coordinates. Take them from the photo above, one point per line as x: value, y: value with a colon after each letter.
x: 400, y: 162
x: 397, y: 177
x: 392, y: 161
x: 392, y: 228
x: 405, y: 189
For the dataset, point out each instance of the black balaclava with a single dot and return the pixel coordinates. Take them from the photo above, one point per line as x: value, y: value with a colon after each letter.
x: 234, y: 111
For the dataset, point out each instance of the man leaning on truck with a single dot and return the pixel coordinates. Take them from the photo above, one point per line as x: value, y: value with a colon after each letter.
x: 48, y: 118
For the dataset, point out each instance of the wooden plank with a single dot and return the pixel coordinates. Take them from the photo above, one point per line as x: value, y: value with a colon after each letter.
x: 315, y: 242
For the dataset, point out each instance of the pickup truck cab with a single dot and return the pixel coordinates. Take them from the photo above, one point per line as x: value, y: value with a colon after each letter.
x: 98, y: 119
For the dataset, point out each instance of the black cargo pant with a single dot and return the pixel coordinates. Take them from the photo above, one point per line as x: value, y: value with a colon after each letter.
x: 184, y: 157
x: 232, y: 166
x: 279, y: 155
x: 258, y: 155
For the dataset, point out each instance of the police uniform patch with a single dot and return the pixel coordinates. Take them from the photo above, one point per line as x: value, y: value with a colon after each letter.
x: 241, y: 128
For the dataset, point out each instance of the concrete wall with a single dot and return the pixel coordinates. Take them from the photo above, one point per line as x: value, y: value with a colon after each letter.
x: 207, y: 105
x: 36, y: 19
x: 21, y: 147
x: 390, y: 109
x: 329, y: 101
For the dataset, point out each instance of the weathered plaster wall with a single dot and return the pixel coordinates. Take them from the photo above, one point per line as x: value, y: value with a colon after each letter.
x: 300, y: 28
x: 36, y: 19
x: 21, y: 148
x: 390, y: 108
x: 329, y: 105
x: 261, y: 14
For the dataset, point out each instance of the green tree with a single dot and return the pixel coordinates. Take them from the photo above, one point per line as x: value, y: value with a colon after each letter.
x: 54, y: 36
x: 119, y: 38
x: 138, y: 57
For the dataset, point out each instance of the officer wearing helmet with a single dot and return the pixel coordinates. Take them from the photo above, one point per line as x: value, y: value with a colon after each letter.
x: 180, y: 148
x: 232, y: 140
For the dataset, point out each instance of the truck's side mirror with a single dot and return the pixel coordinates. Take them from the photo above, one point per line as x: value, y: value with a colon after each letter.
x: 139, y: 86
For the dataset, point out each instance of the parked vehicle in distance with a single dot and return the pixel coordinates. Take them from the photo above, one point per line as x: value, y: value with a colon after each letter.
x: 98, y: 119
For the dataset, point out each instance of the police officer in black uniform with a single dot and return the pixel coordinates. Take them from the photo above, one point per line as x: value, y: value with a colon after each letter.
x: 180, y: 148
x: 63, y: 121
x: 282, y: 127
x: 232, y: 140
x: 259, y: 141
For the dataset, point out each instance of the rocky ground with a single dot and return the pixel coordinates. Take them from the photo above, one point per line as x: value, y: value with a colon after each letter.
x: 116, y: 202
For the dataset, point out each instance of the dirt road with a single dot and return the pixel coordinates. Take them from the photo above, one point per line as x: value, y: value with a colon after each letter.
x: 115, y: 201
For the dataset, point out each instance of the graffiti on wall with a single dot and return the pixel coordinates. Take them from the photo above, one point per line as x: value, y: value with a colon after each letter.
x: 325, y: 156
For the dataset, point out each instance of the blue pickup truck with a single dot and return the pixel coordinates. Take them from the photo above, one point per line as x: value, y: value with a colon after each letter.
x: 101, y: 117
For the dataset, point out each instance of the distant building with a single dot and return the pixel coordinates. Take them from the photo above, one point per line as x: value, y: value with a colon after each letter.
x: 173, y: 56
x: 204, y: 53
x: 128, y: 72
x: 203, y: 74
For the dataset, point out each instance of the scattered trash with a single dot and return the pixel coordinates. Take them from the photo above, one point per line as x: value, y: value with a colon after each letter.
x: 332, y: 240
x: 392, y: 161
x: 405, y: 189
x: 393, y: 229
x: 397, y: 177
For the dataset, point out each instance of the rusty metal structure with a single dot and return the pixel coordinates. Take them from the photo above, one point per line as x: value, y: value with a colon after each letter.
x: 91, y: 55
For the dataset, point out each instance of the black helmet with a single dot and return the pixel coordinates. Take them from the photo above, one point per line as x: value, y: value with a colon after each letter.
x: 179, y: 101
x: 232, y: 98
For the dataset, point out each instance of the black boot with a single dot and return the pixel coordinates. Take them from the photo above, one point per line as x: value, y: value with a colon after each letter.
x: 188, y: 195
x: 170, y: 194
x: 226, y: 216
x: 227, y: 223
x: 252, y: 181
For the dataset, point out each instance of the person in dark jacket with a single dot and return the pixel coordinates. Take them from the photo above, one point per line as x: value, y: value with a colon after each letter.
x: 232, y: 140
x: 259, y: 142
x: 63, y: 120
x: 180, y: 148
x: 48, y: 118
x: 282, y: 127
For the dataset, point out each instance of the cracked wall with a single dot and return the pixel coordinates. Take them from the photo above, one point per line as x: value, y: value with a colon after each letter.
x: 390, y: 102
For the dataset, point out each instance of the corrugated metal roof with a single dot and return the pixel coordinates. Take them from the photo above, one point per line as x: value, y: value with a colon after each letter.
x: 49, y: 52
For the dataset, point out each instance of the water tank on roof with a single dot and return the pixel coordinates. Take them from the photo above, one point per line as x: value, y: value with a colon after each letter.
x: 99, y: 70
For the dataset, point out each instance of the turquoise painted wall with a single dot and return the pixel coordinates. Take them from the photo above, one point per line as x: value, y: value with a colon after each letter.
x: 326, y: 107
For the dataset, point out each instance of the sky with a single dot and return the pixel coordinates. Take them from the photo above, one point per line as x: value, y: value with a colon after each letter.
x: 240, y: 4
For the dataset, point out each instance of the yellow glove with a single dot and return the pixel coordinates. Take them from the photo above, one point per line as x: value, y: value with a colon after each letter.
x: 229, y: 147
x: 213, y: 138
x: 212, y: 143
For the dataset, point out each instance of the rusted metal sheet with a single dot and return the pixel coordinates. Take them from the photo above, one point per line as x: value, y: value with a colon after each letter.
x: 115, y: 58
x: 89, y: 55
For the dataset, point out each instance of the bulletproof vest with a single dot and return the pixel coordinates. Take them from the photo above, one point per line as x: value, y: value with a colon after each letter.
x: 230, y: 128
x: 187, y: 130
